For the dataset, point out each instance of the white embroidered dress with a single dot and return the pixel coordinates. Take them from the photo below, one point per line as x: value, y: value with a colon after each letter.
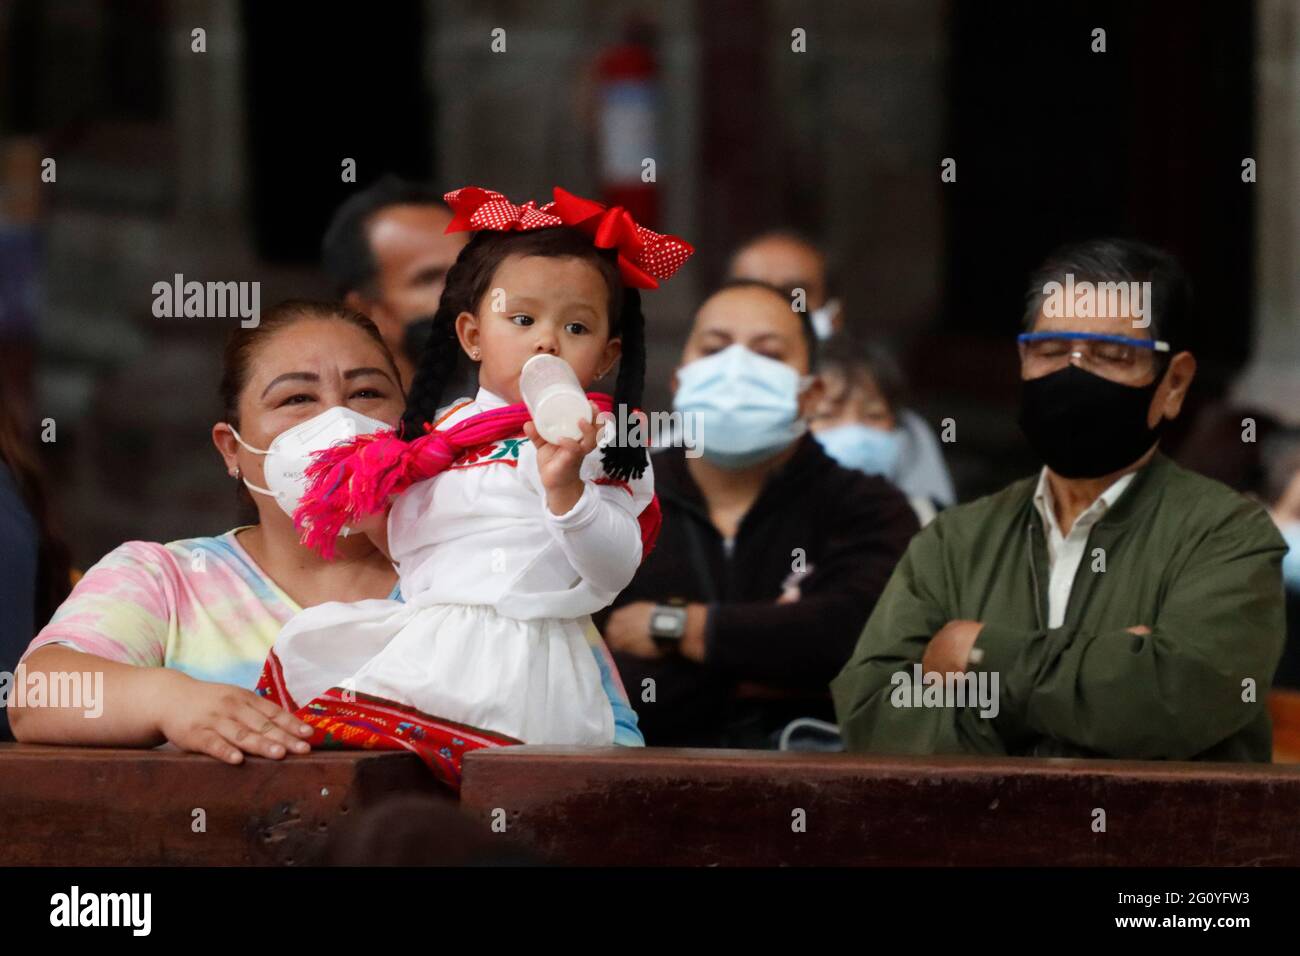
x: 497, y: 597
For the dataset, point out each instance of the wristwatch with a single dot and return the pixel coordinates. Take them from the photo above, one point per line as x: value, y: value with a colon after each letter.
x: 667, y: 623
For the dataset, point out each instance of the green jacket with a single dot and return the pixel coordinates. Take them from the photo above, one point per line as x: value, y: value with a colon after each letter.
x: 1184, y: 555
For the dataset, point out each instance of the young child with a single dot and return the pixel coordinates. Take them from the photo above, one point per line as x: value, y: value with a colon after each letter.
x: 504, y: 543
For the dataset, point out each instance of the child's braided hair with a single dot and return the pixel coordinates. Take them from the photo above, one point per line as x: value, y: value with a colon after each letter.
x: 467, y: 283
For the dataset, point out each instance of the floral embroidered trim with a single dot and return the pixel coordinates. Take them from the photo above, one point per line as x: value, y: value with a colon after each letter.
x: 505, y: 452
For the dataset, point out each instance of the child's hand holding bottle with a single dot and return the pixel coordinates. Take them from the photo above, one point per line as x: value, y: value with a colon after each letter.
x: 560, y: 462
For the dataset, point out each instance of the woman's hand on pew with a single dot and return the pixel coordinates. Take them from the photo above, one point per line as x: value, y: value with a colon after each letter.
x: 226, y: 722
x: 145, y: 706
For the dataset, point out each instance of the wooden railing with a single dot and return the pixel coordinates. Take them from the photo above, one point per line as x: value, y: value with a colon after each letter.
x: 1284, y: 707
x: 75, y: 806
x: 622, y: 806
x: 720, y: 807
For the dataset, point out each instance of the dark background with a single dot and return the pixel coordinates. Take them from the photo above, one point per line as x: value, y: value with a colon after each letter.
x: 225, y: 166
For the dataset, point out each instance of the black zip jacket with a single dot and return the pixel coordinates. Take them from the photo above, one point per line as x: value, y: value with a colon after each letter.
x: 833, y: 533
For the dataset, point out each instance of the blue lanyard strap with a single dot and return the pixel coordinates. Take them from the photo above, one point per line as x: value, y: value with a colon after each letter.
x: 1155, y: 345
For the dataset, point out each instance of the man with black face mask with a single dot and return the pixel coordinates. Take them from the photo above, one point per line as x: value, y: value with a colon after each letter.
x: 1115, y: 605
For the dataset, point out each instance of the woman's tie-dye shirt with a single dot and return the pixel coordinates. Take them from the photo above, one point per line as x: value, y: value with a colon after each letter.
x: 200, y: 605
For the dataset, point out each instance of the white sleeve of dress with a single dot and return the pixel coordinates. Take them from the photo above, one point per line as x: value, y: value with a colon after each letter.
x: 600, y: 535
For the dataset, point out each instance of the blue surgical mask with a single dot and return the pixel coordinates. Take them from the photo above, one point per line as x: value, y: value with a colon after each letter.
x: 861, y: 447
x: 747, y: 405
x: 1291, y: 561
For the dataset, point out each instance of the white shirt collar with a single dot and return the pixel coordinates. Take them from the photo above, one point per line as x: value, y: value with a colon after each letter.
x: 1091, y: 515
x: 488, y: 399
x: 464, y: 406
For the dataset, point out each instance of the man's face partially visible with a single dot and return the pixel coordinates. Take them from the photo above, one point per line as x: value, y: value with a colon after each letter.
x: 786, y: 264
x: 412, y: 255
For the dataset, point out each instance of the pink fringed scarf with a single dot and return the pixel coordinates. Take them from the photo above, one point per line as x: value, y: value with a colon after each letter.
x: 356, y: 479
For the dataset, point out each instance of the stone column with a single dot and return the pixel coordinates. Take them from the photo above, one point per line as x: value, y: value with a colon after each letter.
x: 1271, y: 380
x: 208, y: 110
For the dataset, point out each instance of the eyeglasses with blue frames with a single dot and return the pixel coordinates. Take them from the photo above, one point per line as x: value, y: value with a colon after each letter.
x: 1113, y: 355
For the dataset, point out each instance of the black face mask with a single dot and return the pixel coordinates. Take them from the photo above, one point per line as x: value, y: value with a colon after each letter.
x: 1084, y: 426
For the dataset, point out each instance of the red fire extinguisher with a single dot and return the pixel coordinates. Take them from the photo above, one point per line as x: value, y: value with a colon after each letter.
x: 627, y: 125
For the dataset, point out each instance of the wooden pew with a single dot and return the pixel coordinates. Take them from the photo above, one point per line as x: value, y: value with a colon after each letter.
x: 739, y: 808
x: 1284, y: 707
x: 75, y: 806
x: 621, y: 806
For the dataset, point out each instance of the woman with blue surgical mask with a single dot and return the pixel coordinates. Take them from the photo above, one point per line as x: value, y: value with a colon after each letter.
x: 1284, y: 478
x: 856, y: 421
x: 770, y: 555
x: 746, y: 405
x: 745, y: 386
x: 1282, y: 491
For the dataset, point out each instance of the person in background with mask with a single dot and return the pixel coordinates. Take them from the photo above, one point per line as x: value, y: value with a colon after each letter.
x: 770, y: 555
x: 1282, y: 492
x: 179, y: 631
x: 1115, y: 604
x: 387, y: 253
x: 790, y: 261
x: 857, y: 420
x: 1283, y: 481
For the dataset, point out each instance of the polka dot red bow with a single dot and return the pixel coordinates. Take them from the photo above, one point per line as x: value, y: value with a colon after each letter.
x: 644, y: 256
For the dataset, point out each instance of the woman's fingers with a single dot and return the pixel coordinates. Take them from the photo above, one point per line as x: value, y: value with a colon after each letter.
x: 245, y: 723
x: 287, y: 721
x: 225, y: 722
x: 268, y: 727
x: 208, y: 741
x: 248, y: 739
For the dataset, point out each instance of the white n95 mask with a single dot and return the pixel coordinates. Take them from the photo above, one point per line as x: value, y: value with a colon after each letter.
x: 291, y: 451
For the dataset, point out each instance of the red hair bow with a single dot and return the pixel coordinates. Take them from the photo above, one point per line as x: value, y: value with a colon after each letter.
x: 644, y: 256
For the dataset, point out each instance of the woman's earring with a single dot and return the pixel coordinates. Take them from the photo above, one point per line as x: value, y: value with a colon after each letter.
x: 236, y: 474
x: 475, y: 354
